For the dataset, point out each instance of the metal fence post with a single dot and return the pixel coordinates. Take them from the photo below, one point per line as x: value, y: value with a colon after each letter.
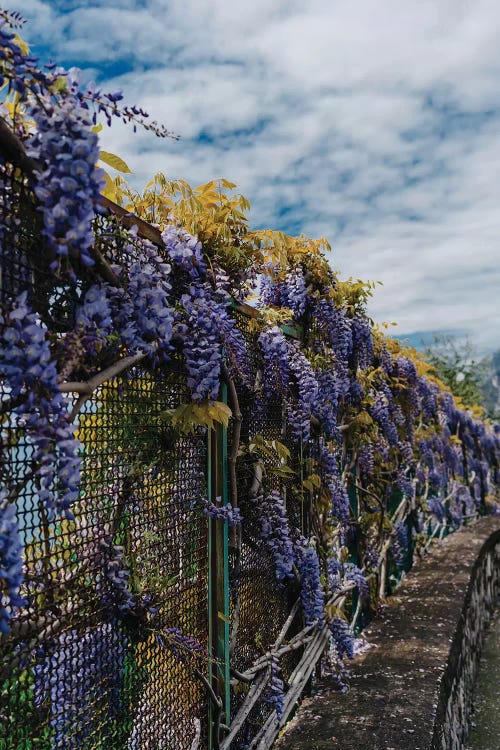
x: 218, y: 576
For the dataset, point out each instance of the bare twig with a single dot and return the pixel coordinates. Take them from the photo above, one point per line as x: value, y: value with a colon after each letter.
x: 103, y: 267
x: 197, y: 734
x: 287, y: 623
x: 251, y: 699
x: 87, y: 388
x: 216, y: 706
x: 235, y: 622
x: 368, y: 492
x: 356, y: 613
x: 265, y: 660
x: 259, y: 680
x: 297, y: 682
x: 13, y: 150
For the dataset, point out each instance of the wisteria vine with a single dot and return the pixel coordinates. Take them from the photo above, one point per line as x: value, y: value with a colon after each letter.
x: 377, y: 457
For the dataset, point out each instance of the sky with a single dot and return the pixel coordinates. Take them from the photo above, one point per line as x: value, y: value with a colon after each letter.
x: 373, y: 123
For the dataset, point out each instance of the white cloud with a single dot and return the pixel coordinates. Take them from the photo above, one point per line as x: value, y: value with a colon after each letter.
x: 372, y: 122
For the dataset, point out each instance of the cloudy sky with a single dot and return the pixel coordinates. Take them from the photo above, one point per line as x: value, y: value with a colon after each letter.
x: 375, y: 123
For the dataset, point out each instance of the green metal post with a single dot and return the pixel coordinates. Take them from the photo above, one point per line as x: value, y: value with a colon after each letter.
x: 218, y: 577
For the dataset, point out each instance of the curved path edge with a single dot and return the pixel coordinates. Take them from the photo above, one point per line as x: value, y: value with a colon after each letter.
x: 411, y: 690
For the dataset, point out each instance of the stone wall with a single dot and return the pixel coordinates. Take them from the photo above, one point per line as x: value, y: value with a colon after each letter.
x: 457, y: 684
x: 411, y: 690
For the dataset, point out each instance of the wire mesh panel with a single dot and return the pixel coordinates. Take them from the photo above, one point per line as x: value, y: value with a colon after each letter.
x: 114, y: 591
x: 260, y: 605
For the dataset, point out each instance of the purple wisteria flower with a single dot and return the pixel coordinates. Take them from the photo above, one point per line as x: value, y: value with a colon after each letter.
x: 68, y: 184
x: 225, y: 513
x: 311, y: 593
x: 79, y: 679
x: 275, y: 532
x: 11, y: 563
x: 340, y: 572
x: 400, y: 544
x: 276, y: 364
x: 182, y: 646
x: 299, y: 414
x: 185, y: 251
x: 293, y: 292
x: 338, y: 328
x: 338, y: 493
x: 200, y: 333
x: 342, y: 637
x: 276, y: 698
x: 42, y: 411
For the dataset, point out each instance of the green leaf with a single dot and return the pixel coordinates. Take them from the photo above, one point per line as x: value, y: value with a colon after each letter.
x: 203, y: 414
x: 281, y: 450
x: 220, y: 412
x: 282, y: 471
x: 112, y: 160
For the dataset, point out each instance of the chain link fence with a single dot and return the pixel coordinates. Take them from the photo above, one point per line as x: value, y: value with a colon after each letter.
x: 75, y: 672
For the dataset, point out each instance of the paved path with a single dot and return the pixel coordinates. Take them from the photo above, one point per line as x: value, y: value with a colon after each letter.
x: 394, y: 685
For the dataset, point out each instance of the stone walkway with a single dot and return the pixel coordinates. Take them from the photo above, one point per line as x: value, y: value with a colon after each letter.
x: 394, y: 686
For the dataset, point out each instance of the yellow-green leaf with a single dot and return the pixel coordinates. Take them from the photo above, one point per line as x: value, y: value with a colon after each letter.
x: 282, y: 471
x: 112, y: 160
x: 109, y: 190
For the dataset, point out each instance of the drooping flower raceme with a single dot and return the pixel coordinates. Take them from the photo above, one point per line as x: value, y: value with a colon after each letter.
x: 225, y: 513
x: 299, y: 414
x: 185, y: 251
x: 275, y: 532
x: 113, y: 579
x: 399, y: 545
x: 182, y: 646
x: 338, y: 328
x: 293, y: 291
x: 362, y: 341
x: 341, y: 572
x: 336, y: 488
x: 148, y: 290
x: 11, y: 563
x: 276, y: 364
x: 32, y: 379
x: 311, y: 592
x: 68, y: 182
x: 201, y: 344
x: 78, y: 680
x: 276, y: 698
x: 342, y: 637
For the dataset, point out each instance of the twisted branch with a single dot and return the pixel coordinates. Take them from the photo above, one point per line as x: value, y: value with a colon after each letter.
x: 87, y: 388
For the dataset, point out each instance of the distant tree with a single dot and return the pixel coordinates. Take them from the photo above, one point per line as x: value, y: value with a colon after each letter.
x: 456, y: 363
x: 491, y: 386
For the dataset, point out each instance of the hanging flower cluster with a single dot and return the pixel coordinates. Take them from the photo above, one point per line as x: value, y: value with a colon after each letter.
x: 275, y: 532
x: 11, y: 563
x: 342, y: 637
x: 74, y: 675
x: 225, y: 513
x: 276, y: 698
x: 40, y: 410
x: 68, y: 184
x: 311, y: 592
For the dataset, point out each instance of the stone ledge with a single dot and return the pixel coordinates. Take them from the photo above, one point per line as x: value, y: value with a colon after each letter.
x: 406, y: 692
